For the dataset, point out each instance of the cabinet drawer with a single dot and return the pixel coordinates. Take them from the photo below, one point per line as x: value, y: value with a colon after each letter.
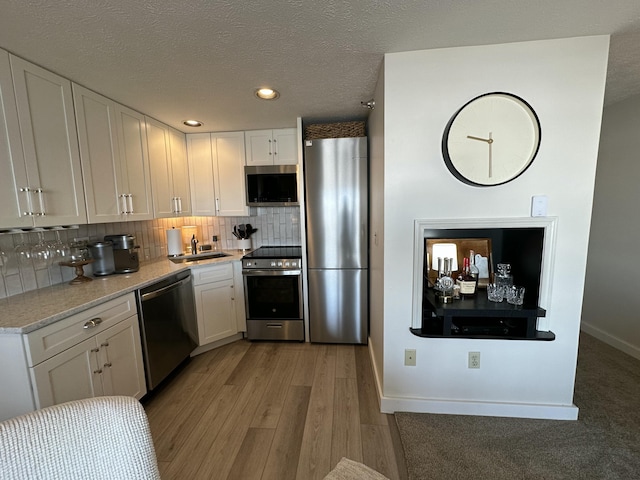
x: 57, y: 337
x: 212, y: 274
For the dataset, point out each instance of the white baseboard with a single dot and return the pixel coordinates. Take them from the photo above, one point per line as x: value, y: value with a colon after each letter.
x: 612, y: 340
x: 454, y: 407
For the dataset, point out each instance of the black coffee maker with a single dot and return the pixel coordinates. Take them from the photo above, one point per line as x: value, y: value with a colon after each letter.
x: 125, y: 252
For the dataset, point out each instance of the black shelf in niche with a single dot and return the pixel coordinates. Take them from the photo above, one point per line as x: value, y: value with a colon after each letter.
x: 477, y: 317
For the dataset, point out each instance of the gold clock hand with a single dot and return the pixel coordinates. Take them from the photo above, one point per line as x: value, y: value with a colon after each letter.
x: 488, y: 140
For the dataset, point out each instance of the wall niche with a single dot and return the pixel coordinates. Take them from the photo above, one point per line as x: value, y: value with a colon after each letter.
x: 527, y: 244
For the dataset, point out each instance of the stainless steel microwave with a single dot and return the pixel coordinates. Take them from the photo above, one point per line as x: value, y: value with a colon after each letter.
x: 272, y: 185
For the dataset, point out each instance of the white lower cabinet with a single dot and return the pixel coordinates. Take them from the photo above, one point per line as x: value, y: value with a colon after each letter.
x: 217, y: 296
x: 105, y: 364
x: 91, y: 353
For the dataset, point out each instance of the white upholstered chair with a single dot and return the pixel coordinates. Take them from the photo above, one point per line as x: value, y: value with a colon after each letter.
x: 96, y: 438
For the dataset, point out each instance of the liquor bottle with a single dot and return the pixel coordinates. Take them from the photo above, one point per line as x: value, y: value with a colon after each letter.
x: 466, y: 282
x: 473, y: 270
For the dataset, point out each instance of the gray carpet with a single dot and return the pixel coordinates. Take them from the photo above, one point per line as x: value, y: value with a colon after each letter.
x: 603, y: 444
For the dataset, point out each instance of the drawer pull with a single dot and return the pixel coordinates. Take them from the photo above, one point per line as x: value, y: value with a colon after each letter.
x: 274, y: 325
x: 95, y: 350
x: 107, y: 365
x: 98, y: 371
x: 105, y: 344
x: 94, y: 322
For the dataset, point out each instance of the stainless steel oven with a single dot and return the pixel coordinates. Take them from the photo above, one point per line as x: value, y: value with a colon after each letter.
x: 273, y: 293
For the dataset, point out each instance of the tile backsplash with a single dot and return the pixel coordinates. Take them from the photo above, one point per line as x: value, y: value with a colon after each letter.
x: 276, y: 226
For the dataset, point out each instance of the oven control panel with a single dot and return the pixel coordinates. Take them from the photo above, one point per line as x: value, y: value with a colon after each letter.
x: 271, y: 264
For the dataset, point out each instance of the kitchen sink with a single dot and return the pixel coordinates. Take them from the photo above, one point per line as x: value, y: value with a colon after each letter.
x: 199, y: 256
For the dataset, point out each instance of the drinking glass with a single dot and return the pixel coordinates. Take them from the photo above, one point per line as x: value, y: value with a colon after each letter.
x: 515, y: 295
x: 40, y: 253
x: 59, y: 250
x: 23, y: 252
x: 495, y: 292
x: 4, y: 262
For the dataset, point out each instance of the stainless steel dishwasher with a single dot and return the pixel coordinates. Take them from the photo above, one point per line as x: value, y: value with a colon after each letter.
x: 168, y: 325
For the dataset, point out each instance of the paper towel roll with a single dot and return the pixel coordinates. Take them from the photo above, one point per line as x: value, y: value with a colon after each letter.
x: 174, y: 242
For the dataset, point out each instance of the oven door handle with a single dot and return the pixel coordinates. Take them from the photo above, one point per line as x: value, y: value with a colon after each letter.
x: 272, y: 273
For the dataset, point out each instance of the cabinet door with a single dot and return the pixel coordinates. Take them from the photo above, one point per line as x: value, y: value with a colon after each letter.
x: 70, y: 375
x: 96, y: 124
x: 229, y: 155
x: 164, y: 204
x: 13, y: 202
x: 120, y: 359
x: 180, y: 171
x: 259, y: 147
x: 50, y: 142
x: 134, y: 162
x: 201, y: 174
x: 215, y: 310
x: 285, y: 142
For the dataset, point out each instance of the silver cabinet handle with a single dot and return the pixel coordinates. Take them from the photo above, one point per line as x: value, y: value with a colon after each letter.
x: 274, y: 325
x: 94, y: 322
x: 130, y: 203
x: 95, y: 350
x: 40, y: 193
x: 179, y: 204
x: 122, y: 201
x: 217, y: 204
x: 275, y: 146
x: 269, y: 146
x: 105, y: 344
x: 27, y: 192
x: 107, y: 365
x: 98, y: 371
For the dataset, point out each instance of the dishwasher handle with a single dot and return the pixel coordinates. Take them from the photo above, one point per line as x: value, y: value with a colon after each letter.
x: 160, y: 291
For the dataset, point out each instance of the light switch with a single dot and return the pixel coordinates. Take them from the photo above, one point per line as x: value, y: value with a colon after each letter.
x: 539, y: 205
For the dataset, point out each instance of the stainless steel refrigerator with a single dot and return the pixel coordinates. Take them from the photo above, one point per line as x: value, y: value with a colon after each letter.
x: 337, y: 221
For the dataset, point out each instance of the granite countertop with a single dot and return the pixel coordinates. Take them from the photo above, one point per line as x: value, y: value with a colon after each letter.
x: 35, y: 309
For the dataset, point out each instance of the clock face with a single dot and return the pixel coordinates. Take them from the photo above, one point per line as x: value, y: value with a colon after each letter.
x: 491, y: 140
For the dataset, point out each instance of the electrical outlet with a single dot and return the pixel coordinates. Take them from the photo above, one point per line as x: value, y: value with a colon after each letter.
x: 410, y: 357
x: 474, y: 359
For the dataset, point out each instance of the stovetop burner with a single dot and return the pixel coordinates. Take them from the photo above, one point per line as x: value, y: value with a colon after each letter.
x: 276, y: 252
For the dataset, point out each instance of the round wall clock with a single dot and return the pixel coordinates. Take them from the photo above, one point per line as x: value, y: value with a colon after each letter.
x: 491, y: 140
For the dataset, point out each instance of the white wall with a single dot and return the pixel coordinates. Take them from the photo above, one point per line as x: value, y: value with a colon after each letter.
x: 564, y: 81
x: 611, y: 301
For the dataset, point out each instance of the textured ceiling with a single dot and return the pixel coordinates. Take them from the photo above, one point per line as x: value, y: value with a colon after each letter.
x: 178, y: 59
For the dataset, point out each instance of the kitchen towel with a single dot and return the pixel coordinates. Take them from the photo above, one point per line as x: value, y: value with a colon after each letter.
x: 174, y: 242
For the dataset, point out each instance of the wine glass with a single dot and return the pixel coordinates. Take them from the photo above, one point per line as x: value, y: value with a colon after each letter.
x: 23, y: 252
x: 40, y: 253
x: 59, y: 250
x: 4, y: 262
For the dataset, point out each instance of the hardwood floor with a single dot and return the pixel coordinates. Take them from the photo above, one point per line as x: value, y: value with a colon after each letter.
x: 271, y: 411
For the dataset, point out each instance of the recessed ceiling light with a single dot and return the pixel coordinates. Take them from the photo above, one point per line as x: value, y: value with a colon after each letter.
x: 267, y: 93
x: 193, y: 123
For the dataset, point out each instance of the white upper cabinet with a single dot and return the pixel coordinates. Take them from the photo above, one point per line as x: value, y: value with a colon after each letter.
x: 113, y: 151
x: 13, y: 203
x: 169, y: 170
x: 216, y: 164
x: 52, y: 192
x: 134, y: 162
x: 272, y: 147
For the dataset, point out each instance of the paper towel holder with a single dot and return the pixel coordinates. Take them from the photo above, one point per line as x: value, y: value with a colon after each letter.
x: 172, y: 245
